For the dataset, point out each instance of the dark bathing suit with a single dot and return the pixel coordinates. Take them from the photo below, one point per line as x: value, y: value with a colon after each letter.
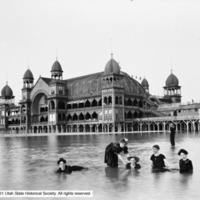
x: 137, y: 166
x: 158, y: 163
x: 69, y: 169
x: 185, y: 165
x: 111, y: 157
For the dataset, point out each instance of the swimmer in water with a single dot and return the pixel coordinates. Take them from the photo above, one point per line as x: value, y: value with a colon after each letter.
x: 185, y: 164
x: 159, y: 162
x: 133, y: 162
x: 63, y: 168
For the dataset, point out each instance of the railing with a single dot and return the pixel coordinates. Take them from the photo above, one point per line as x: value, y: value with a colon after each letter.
x: 179, y: 104
x: 171, y: 118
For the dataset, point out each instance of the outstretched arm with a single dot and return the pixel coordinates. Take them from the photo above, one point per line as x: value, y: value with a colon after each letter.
x: 120, y: 158
x: 166, y: 163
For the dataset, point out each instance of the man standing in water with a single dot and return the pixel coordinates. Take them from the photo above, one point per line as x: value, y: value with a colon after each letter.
x: 172, y: 134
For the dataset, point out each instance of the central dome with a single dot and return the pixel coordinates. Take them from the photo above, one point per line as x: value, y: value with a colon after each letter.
x: 112, y: 67
x: 7, y: 91
x: 56, y: 67
x: 172, y: 81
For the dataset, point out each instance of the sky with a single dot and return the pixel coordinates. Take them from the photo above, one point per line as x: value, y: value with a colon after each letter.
x: 148, y: 38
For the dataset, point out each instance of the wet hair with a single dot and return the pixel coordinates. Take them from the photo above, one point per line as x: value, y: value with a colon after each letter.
x: 156, y: 146
x: 182, y: 151
x: 61, y: 160
x: 137, y: 159
x: 124, y: 141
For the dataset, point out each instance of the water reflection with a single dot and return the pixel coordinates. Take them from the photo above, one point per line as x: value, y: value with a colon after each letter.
x: 30, y: 162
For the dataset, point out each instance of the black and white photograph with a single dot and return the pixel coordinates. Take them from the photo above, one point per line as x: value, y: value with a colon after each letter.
x: 100, y: 99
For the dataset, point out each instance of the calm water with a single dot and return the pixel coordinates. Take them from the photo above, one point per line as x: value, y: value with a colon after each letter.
x: 28, y: 163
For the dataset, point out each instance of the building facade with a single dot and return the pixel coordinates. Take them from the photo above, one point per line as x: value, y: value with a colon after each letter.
x: 108, y: 101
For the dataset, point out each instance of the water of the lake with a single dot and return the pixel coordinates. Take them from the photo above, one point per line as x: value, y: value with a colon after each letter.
x: 28, y: 163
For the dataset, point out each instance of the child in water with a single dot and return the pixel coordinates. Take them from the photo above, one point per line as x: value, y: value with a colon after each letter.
x: 159, y: 162
x: 63, y: 168
x: 184, y: 163
x: 133, y: 162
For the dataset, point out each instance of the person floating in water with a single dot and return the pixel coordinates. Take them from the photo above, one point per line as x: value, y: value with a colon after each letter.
x: 63, y: 168
x: 172, y: 134
x: 133, y: 162
x: 185, y: 164
x: 112, y: 153
x: 159, y: 162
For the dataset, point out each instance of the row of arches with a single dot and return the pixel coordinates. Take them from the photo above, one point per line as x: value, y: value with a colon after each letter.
x: 133, y: 102
x: 81, y: 116
x: 133, y: 114
x: 111, y: 79
x: 14, y: 121
x: 146, y: 126
x: 86, y: 104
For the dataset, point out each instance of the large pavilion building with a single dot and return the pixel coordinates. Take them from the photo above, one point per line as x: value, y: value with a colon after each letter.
x: 107, y: 101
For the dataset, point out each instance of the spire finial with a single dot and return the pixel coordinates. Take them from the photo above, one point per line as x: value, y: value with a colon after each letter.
x: 111, y: 48
x: 6, y: 78
x: 56, y: 54
x: 171, y: 71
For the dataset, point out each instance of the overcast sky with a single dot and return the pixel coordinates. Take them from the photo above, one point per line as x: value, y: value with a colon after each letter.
x: 147, y: 37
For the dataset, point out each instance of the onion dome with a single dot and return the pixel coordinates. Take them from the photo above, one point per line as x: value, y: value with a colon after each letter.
x: 56, y: 67
x: 7, y: 92
x: 172, y: 81
x: 144, y: 83
x: 28, y: 75
x: 112, y: 67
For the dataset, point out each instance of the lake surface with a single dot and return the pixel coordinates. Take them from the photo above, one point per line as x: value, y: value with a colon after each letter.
x: 28, y: 163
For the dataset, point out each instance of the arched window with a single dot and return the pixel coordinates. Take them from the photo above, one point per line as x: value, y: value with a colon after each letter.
x: 120, y: 100
x: 105, y: 100
x: 23, y: 109
x: 100, y: 102
x: 75, y: 117
x: 94, y: 115
x: 110, y: 100
x: 61, y: 105
x: 135, y: 115
x: 69, y: 117
x: 87, y: 104
x: 87, y: 116
x: 135, y: 102
x: 52, y: 105
x: 129, y: 115
x: 63, y: 116
x: 94, y: 103
x: 69, y: 106
x: 116, y: 100
x: 81, y: 116
x: 140, y: 104
x: 59, y: 117
x: 129, y: 102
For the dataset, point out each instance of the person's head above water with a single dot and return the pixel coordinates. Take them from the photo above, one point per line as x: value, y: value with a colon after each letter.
x: 123, y: 142
x: 183, y: 154
x: 156, y: 148
x: 133, y: 159
x: 61, y: 163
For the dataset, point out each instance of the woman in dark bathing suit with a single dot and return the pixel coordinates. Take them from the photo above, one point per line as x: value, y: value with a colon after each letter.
x: 185, y: 164
x: 68, y: 169
x: 112, y: 153
x: 159, y: 163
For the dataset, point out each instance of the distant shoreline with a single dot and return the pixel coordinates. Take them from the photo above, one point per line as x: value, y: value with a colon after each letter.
x: 75, y: 133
